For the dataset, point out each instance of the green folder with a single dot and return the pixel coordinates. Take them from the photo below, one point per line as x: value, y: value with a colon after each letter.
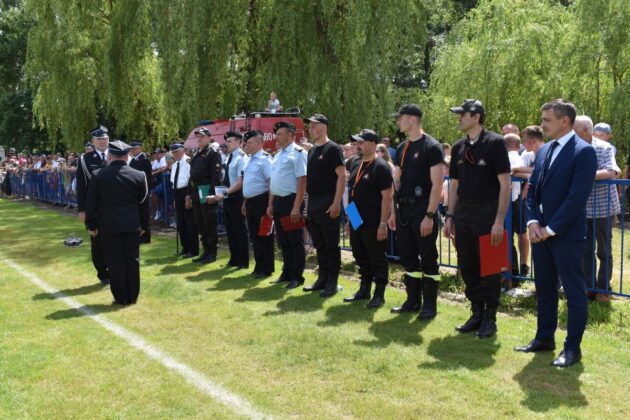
x: 204, y: 191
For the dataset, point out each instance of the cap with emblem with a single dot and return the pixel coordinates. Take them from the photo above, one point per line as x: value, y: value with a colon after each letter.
x: 230, y: 133
x: 603, y: 128
x: 135, y: 144
x: 89, y: 145
x: 176, y: 146
x: 283, y: 124
x: 118, y: 148
x: 203, y: 131
x: 408, y: 109
x: 253, y: 133
x: 317, y: 118
x: 474, y: 106
x: 366, y: 135
x: 99, y: 132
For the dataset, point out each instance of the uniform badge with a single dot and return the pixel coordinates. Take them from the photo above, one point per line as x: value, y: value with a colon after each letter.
x: 321, y: 157
x: 416, y: 155
x: 366, y: 176
x: 481, y: 162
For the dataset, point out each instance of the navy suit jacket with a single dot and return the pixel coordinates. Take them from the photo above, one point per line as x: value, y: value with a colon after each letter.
x: 564, y: 190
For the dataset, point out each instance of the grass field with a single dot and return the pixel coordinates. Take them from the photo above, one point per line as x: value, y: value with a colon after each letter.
x: 290, y: 354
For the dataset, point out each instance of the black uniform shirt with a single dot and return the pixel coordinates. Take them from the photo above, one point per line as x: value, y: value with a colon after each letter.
x: 88, y: 163
x: 419, y: 157
x: 476, y: 166
x: 205, y: 167
x: 367, y: 180
x: 141, y: 163
x: 323, y: 160
x: 352, y: 163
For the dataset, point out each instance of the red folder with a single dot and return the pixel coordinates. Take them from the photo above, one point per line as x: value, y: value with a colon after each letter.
x: 288, y: 225
x: 493, y: 259
x: 266, y: 226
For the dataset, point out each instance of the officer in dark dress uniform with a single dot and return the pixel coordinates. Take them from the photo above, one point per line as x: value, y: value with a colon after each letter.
x: 115, y: 213
x: 89, y: 162
x: 141, y: 162
x: 233, y: 201
x: 419, y: 177
x: 205, y: 170
x: 478, y: 199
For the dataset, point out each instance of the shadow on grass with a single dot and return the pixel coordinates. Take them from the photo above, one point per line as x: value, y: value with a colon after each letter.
x: 263, y: 294
x: 216, y: 273
x: 85, y: 310
x: 83, y: 290
x: 402, y: 329
x: 347, y: 312
x: 461, y: 350
x: 309, y: 302
x: 180, y: 269
x: 244, y: 281
x: 547, y: 388
x: 168, y: 259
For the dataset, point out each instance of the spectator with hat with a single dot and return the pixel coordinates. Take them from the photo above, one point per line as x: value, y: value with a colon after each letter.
x: 205, y: 173
x: 256, y: 180
x: 286, y: 198
x: 114, y: 213
x: 603, y: 131
x: 89, y: 162
x: 233, y: 201
x: 185, y: 220
x: 326, y: 182
x: 419, y: 177
x: 478, y: 200
x: 138, y: 160
x: 371, y: 190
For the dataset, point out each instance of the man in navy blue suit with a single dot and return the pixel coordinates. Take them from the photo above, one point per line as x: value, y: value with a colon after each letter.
x: 560, y: 184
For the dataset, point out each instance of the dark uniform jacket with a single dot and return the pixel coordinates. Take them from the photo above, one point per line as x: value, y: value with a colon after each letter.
x: 88, y: 163
x: 205, y: 169
x: 116, y: 199
x: 142, y: 163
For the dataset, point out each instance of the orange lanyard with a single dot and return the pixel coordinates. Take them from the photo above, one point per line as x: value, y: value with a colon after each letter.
x: 359, y: 174
x: 402, y: 161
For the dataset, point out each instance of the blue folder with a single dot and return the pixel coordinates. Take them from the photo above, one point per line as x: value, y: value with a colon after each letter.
x: 353, y: 215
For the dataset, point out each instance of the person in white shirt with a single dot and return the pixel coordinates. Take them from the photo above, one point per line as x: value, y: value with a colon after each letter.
x: 513, y: 143
x: 186, y: 228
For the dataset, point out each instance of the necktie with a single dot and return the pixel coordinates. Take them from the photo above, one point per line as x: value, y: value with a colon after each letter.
x: 554, y: 144
x: 103, y: 156
x: 176, y: 175
x: 227, y: 171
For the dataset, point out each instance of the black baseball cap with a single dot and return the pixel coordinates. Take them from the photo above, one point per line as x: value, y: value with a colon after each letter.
x: 366, y: 135
x: 408, y: 109
x: 283, y: 124
x: 473, y: 106
x: 317, y: 118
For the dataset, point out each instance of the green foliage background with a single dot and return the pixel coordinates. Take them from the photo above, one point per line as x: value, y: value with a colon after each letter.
x: 150, y: 69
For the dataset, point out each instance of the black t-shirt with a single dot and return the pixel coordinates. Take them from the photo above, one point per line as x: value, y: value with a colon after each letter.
x: 476, y: 166
x: 373, y: 178
x: 323, y: 160
x: 419, y: 157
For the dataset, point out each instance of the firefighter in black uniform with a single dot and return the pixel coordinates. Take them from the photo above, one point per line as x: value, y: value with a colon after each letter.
x: 205, y: 172
x: 371, y: 190
x: 88, y: 163
x: 233, y: 201
x: 140, y: 162
x: 478, y: 199
x: 115, y: 213
x: 419, y: 178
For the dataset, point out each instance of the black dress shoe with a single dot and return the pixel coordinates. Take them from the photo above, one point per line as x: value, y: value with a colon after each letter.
x: 189, y: 255
x: 315, y: 286
x: 536, y: 346
x: 567, y: 358
x: 376, y: 302
x: 407, y: 306
x: 242, y: 267
x: 208, y: 260
x: 329, y: 291
x: 293, y: 284
x: 262, y: 275
x: 281, y: 279
x: 200, y: 258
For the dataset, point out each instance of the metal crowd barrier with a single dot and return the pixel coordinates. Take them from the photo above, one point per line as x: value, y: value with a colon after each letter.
x: 60, y: 188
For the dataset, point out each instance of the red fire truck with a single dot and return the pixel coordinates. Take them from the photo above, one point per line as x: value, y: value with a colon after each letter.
x: 263, y: 121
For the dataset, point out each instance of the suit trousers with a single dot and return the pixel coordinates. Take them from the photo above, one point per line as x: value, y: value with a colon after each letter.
x: 554, y: 261
x: 186, y: 227
x: 255, y: 208
x: 291, y: 243
x: 473, y: 220
x: 369, y: 254
x: 122, y: 255
x: 236, y: 231
x: 98, y: 259
x: 206, y: 222
x: 411, y: 245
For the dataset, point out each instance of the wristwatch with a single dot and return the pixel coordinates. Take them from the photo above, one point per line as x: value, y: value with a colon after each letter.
x: 383, y: 225
x: 430, y: 214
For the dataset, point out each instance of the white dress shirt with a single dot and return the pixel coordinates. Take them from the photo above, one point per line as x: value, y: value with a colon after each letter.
x: 184, y: 173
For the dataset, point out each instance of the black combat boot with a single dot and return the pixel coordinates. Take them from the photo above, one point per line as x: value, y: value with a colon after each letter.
x: 488, y: 323
x: 429, y: 299
x: 363, y: 293
x: 414, y: 297
x: 474, y: 322
x: 379, y: 297
x: 320, y: 283
x: 331, y: 285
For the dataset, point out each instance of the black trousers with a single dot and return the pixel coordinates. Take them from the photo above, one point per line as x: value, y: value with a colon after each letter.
x: 236, y: 231
x: 98, y: 259
x: 122, y: 255
x: 417, y: 253
x: 206, y: 222
x: 291, y: 243
x: 325, y: 235
x: 256, y: 207
x: 369, y: 255
x: 186, y: 227
x: 471, y: 222
x: 603, y: 241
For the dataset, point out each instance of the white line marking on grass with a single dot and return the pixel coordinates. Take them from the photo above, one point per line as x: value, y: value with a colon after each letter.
x: 193, y: 377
